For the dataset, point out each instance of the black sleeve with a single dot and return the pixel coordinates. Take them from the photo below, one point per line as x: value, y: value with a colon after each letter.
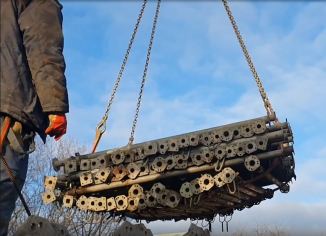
x: 41, y: 26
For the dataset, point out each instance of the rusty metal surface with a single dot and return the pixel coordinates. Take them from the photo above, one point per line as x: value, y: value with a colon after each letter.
x: 196, y: 175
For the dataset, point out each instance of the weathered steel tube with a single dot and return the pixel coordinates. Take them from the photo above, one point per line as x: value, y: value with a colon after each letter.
x: 279, y: 126
x: 276, y: 136
x: 58, y: 163
x: 71, y: 176
x: 279, y: 135
x: 156, y: 177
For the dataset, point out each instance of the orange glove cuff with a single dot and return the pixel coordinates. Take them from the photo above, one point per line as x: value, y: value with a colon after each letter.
x: 58, y: 126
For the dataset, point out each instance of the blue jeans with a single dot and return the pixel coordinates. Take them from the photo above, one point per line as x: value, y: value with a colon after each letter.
x: 18, y: 164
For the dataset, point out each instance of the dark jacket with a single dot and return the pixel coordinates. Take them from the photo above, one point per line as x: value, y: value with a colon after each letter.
x: 33, y: 82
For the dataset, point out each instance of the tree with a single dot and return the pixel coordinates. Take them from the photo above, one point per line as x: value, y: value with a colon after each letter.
x: 40, y: 165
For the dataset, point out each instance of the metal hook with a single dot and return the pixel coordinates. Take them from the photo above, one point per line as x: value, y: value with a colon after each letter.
x: 145, y: 162
x: 99, y: 218
x: 219, y: 218
x: 190, y: 202
x: 102, y: 124
x: 227, y: 222
x: 213, y: 146
x: 99, y: 133
x: 106, y: 219
x: 221, y: 166
x: 185, y: 202
x: 89, y: 219
x: 60, y: 210
x: 234, y: 187
x: 225, y: 217
x: 197, y: 200
x: 121, y: 218
x: 203, y: 225
x: 217, y: 164
x: 72, y: 212
x: 188, y: 155
x: 116, y: 220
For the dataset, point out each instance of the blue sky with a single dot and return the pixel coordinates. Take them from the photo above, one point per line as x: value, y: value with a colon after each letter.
x: 198, y: 78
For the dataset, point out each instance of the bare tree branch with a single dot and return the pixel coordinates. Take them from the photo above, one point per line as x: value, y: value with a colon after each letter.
x: 40, y: 165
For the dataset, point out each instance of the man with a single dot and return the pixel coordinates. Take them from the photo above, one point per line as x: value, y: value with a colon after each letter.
x: 34, y: 97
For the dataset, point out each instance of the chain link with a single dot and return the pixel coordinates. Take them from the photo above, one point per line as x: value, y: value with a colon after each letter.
x: 131, y: 139
x: 125, y: 60
x: 99, y: 132
x: 262, y: 92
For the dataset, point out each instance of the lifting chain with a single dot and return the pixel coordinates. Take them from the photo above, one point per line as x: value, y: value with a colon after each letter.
x: 98, y: 130
x: 262, y: 92
x: 131, y: 139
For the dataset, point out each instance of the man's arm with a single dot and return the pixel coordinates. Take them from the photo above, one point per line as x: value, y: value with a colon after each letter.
x: 41, y: 25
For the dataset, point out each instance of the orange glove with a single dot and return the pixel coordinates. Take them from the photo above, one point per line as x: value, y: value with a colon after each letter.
x: 58, y: 126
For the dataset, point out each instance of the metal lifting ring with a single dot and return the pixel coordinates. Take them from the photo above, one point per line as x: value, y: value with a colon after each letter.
x: 116, y: 220
x: 234, y: 187
x: 72, y: 212
x: 86, y: 220
x: 106, y: 219
x: 188, y: 155
x: 221, y: 166
x: 205, y: 225
x: 213, y: 147
x: 190, y: 203
x: 197, y: 199
x: 99, y: 218
x: 221, y: 217
x: 225, y: 217
x: 60, y: 210
x: 145, y: 162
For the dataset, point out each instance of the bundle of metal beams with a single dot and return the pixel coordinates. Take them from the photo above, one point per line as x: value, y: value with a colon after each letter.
x: 195, y: 175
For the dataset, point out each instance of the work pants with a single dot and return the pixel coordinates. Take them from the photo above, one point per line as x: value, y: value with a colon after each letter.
x: 18, y: 163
